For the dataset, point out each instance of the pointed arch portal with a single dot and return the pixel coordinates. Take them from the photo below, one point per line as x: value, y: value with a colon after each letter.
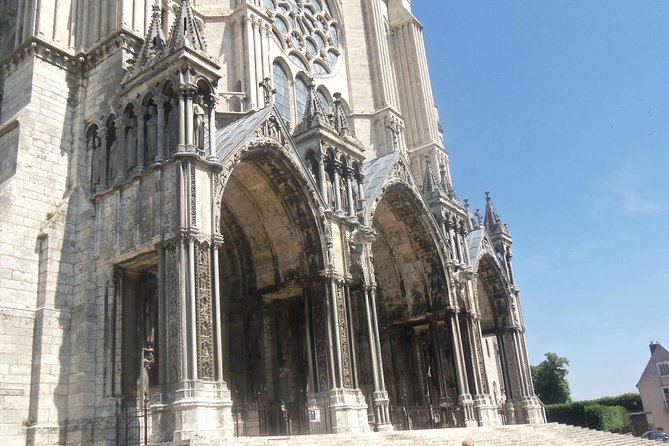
x: 270, y: 259
x: 411, y: 284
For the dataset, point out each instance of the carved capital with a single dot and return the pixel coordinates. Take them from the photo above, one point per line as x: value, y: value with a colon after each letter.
x: 160, y: 100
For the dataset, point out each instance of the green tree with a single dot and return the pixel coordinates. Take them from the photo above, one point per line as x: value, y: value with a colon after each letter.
x: 550, y: 379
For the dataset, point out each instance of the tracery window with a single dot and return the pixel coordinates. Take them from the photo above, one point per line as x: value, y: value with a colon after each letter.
x: 301, y: 97
x: 282, y: 90
x: 324, y: 102
x: 309, y: 28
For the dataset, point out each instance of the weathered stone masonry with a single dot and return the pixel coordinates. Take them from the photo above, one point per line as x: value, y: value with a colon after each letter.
x: 215, y: 204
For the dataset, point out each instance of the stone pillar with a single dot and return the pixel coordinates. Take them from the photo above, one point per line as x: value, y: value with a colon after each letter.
x: 337, y: 192
x: 211, y: 102
x: 349, y: 192
x: 251, y: 81
x: 333, y: 315
x: 194, y: 402
x: 160, y: 101
x: 321, y: 160
x: 189, y: 121
x: 182, y: 121
x: 361, y: 204
x: 348, y: 410
x: 141, y: 141
x: 351, y: 336
x: 121, y: 124
x: 380, y: 401
x: 465, y: 398
x: 218, y: 308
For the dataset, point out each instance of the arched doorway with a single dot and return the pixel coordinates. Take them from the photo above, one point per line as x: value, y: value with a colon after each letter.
x: 411, y: 287
x: 497, y: 317
x: 269, y: 265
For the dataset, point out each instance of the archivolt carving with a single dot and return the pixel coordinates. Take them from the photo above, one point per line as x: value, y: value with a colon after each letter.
x: 287, y: 154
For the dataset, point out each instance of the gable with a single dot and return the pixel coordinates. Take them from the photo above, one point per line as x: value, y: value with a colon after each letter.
x: 650, y: 373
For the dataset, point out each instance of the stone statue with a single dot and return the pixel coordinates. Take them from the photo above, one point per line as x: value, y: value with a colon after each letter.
x: 330, y: 192
x: 343, y: 194
x: 131, y: 144
x: 198, y: 127
x: 93, y: 146
x: 112, y: 169
x: 151, y: 146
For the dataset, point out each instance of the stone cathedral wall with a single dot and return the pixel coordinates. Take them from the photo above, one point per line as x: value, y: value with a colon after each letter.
x: 36, y: 245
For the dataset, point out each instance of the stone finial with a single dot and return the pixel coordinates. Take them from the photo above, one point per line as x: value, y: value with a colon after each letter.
x: 268, y: 91
x: 478, y: 218
x: 186, y: 31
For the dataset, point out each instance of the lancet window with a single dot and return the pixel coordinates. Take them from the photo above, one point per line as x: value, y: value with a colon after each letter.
x: 282, y: 90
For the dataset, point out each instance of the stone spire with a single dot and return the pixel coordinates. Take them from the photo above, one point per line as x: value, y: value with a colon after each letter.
x: 493, y: 222
x: 153, y: 45
x: 430, y: 183
x: 445, y: 181
x: 340, y: 119
x: 186, y: 31
x: 314, y: 114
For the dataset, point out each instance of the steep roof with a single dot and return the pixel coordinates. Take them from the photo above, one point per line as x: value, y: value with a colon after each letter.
x: 658, y: 354
x: 376, y: 171
x: 230, y: 136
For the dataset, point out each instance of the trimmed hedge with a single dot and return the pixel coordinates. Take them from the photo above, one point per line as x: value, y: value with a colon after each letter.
x: 590, y: 414
x: 630, y: 401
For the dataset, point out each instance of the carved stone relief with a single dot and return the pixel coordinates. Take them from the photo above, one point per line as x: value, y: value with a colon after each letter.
x: 204, y: 312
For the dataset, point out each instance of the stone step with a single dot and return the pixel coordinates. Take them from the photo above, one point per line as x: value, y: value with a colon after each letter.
x: 551, y: 434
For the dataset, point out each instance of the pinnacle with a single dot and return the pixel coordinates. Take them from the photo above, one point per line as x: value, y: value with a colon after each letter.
x: 186, y: 31
x: 493, y: 222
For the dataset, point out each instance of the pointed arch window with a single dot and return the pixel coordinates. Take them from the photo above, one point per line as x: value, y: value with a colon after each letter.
x: 282, y: 90
x: 301, y: 96
x: 324, y: 102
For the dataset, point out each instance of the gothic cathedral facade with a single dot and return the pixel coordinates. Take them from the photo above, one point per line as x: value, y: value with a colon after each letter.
x: 220, y: 214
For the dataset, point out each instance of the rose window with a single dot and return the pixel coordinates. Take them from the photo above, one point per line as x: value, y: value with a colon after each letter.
x: 308, y: 32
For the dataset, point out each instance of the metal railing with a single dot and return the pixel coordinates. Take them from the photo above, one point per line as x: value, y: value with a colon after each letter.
x: 133, y: 424
x: 253, y: 419
x: 422, y: 417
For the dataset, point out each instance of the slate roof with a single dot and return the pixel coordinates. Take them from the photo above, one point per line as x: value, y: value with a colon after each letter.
x: 376, y: 171
x: 234, y: 133
x: 475, y: 243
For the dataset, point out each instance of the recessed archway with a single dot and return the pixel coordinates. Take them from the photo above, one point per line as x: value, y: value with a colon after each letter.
x: 268, y: 265
x: 411, y: 284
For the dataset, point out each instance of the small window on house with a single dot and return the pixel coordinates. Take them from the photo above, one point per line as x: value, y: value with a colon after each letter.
x: 663, y: 368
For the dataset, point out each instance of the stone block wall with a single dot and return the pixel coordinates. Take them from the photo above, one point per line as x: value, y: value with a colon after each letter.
x: 36, y: 252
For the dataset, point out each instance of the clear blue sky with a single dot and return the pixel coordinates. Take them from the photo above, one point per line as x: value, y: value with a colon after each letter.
x: 560, y: 108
